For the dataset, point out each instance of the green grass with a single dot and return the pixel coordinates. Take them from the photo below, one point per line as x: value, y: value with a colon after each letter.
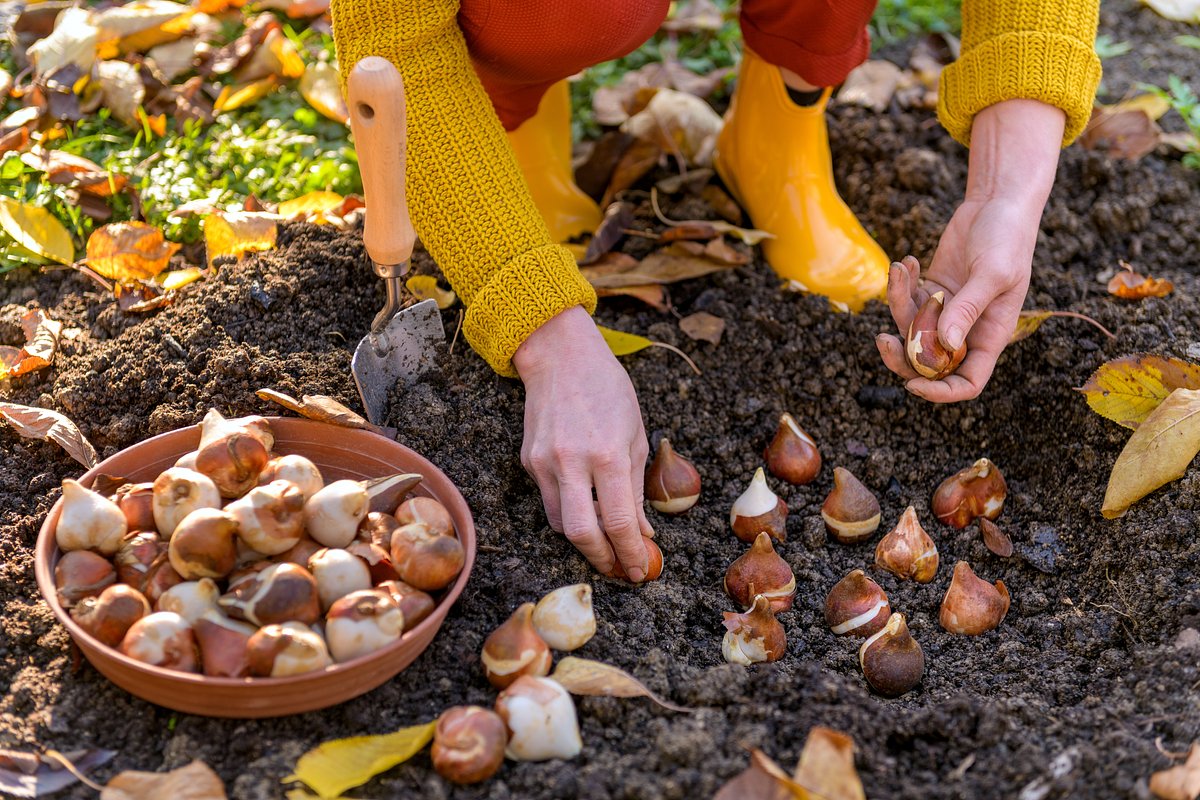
x: 1106, y: 48
x: 1184, y: 101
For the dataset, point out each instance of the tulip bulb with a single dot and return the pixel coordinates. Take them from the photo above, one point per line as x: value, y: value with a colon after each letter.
x: 190, y: 599
x: 224, y: 645
x: 515, y: 649
x: 138, y: 551
x: 564, y: 618
x: 972, y: 605
x: 291, y: 648
x: 187, y: 460
x: 977, y: 491
x: 926, y: 353
x: 82, y: 573
x: 908, y: 552
x: 754, y: 636
x: 428, y: 511
x: 338, y: 573
x: 856, y: 605
x: 415, y: 604
x: 204, y: 545
x: 278, y: 593
x: 377, y: 528
x: 761, y: 571
x: 233, y: 462
x: 162, y: 639
x: 759, y: 509
x: 177, y: 493
x: 468, y: 744
x: 654, y: 563
x: 136, y: 501
x: 540, y: 716
x: 296, y: 470
x: 215, y: 426
x: 300, y: 552
x: 270, y: 519
x: 109, y: 616
x: 332, y: 515
x: 378, y: 561
x: 88, y: 521
x: 793, y: 455
x: 424, y: 558
x: 361, y: 623
x: 672, y: 482
x: 851, y: 511
x: 891, y: 660
x: 160, y: 577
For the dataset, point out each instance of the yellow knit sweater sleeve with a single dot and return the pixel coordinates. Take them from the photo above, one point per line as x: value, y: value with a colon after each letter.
x: 1034, y: 49
x: 468, y: 200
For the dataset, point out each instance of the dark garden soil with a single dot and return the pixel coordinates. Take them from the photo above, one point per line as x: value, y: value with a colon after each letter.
x: 1066, y: 699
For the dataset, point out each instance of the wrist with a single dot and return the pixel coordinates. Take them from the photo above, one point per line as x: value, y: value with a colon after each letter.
x: 557, y: 340
x: 1014, y: 152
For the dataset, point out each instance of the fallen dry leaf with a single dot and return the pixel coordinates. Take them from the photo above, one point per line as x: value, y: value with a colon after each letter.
x: 826, y: 767
x: 652, y: 294
x: 37, y: 230
x: 41, y: 423
x: 722, y: 203
x: 762, y: 780
x: 234, y: 97
x: 613, y: 105
x: 1180, y: 782
x: 596, y: 679
x: 1135, y: 286
x: 1029, y: 321
x: 425, y: 287
x: 341, y: 764
x: 122, y: 89
x: 72, y: 170
x: 638, y: 159
x: 1127, y: 389
x: 1178, y: 10
x: 679, y: 123
x: 129, y: 251
x: 232, y: 233
x: 1158, y: 452
x: 703, y: 327
x: 319, y: 87
x: 175, y: 58
x: 618, y: 217
x: 73, y: 41
x: 679, y: 261
x: 226, y: 59
x: 196, y: 781
x: 36, y: 775
x: 321, y: 408
x: 693, y: 180
x: 1128, y: 134
x: 41, y: 343
x: 749, y: 236
x: 178, y: 278
x: 871, y: 85
x: 276, y: 55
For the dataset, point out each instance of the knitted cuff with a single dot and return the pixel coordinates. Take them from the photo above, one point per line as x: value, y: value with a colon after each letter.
x: 530, y: 290
x: 1058, y: 70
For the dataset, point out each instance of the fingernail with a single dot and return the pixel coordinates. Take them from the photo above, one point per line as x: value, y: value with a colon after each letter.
x: 954, y: 337
x: 637, y: 575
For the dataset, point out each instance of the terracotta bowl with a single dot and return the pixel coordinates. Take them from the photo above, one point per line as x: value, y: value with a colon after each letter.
x: 339, y: 453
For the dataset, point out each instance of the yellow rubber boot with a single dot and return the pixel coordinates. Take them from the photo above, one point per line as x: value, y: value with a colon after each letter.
x: 543, y: 148
x: 774, y: 156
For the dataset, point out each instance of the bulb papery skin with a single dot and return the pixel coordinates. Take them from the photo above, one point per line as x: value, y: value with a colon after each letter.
x: 754, y: 636
x: 654, y: 563
x: 338, y: 573
x: 89, y: 521
x: 908, y: 551
x: 515, y: 649
x: 290, y: 648
x: 136, y: 501
x: 137, y: 552
x: 971, y: 605
x: 215, y: 425
x: 332, y: 515
x: 296, y: 470
x: 761, y: 570
x: 162, y: 639
x: 233, y: 462
x: 224, y: 645
x: 276, y: 594
x: 977, y: 491
x: 564, y: 618
x: 540, y: 717
x: 177, y: 493
x: 80, y: 574
x: 793, y: 455
x: 361, y: 623
x: 672, y: 482
x: 891, y: 660
x: 758, y: 509
x: 851, y: 512
x: 924, y: 348
x: 190, y: 599
x: 468, y: 744
x: 270, y: 518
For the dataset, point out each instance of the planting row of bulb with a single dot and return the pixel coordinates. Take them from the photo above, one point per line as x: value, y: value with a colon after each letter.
x: 236, y: 562
x: 762, y: 582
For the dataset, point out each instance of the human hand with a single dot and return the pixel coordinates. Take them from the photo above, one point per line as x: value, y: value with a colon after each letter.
x: 583, y: 429
x: 984, y: 257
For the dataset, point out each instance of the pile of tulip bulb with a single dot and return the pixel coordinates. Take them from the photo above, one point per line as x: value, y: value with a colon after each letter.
x: 237, y: 563
x: 762, y: 582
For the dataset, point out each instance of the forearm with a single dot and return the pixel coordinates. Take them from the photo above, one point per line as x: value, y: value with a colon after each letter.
x: 1014, y: 153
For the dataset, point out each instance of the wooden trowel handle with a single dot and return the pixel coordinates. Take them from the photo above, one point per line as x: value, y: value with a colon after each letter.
x: 377, y: 117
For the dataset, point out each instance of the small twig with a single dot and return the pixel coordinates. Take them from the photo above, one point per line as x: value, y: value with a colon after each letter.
x: 454, y: 341
x: 1158, y: 745
x: 678, y: 352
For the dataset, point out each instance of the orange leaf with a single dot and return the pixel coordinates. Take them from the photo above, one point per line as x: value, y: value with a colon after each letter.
x: 1134, y: 286
x: 232, y: 233
x: 826, y: 767
x: 1127, y: 389
x: 652, y: 294
x: 234, y: 97
x: 127, y: 251
x: 41, y: 343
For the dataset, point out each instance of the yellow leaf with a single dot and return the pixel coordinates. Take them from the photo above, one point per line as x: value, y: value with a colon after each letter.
x: 595, y: 678
x: 178, y: 278
x: 36, y: 230
x: 1151, y: 104
x: 233, y: 97
x: 129, y: 251
x: 1157, y: 453
x: 320, y: 88
x: 1027, y: 324
x: 623, y: 344
x: 826, y: 768
x: 290, y: 64
x: 338, y: 765
x: 310, y: 204
x: 425, y: 287
x: 232, y: 233
x: 1127, y: 389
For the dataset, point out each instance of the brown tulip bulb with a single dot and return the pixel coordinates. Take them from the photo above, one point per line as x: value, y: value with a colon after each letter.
x: 924, y: 349
x: 279, y: 593
x: 224, y: 645
x: 468, y: 744
x: 754, y: 636
x: 851, y: 511
x: 215, y: 426
x: 428, y: 511
x: 270, y: 519
x: 424, y: 558
x: 856, y: 605
x: 136, y: 501
x: 361, y: 623
x: 415, y: 604
x: 300, y: 552
x: 761, y: 571
x: 995, y: 539
x: 908, y: 552
x: 177, y: 493
x: 759, y: 509
x: 160, y: 577
x: 792, y: 455
x: 515, y: 649
x: 977, y: 491
x: 138, y: 551
x: 672, y: 482
x: 891, y: 660
x: 378, y: 560
x: 290, y: 648
x: 82, y: 573
x: 972, y: 605
x: 654, y: 563
x: 296, y: 470
x: 204, y: 545
x: 162, y: 639
x: 233, y: 462
x: 338, y: 573
x: 109, y: 616
x: 377, y: 528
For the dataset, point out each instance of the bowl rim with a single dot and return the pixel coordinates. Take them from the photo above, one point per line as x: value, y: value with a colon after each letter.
x: 47, y: 553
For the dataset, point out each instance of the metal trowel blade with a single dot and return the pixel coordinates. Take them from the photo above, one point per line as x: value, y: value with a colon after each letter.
x: 404, y: 349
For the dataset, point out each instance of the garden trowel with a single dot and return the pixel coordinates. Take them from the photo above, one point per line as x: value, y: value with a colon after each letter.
x: 402, y: 341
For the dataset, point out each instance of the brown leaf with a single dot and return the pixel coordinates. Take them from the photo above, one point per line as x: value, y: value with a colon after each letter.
x: 123, y: 91
x: 597, y: 679
x: 722, y: 203
x: 322, y: 409
x: 826, y: 767
x: 617, y: 218
x: 593, y: 175
x: 226, y: 59
x: 995, y: 539
x: 871, y: 85
x: 276, y: 55
x: 1158, y: 452
x: 1180, y: 782
x: 33, y: 775
x: 1135, y: 286
x: 679, y: 123
x: 638, y: 159
x: 671, y: 264
x: 41, y: 343
x: 41, y: 423
x: 72, y: 170
x: 652, y: 294
x: 720, y: 250
x: 695, y: 16
x: 703, y: 326
x: 128, y: 251
x: 1127, y: 389
x: 1128, y: 134
x: 196, y: 781
x: 762, y: 780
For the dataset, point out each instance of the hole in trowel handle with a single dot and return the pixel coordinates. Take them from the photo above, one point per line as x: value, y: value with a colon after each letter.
x: 365, y: 111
